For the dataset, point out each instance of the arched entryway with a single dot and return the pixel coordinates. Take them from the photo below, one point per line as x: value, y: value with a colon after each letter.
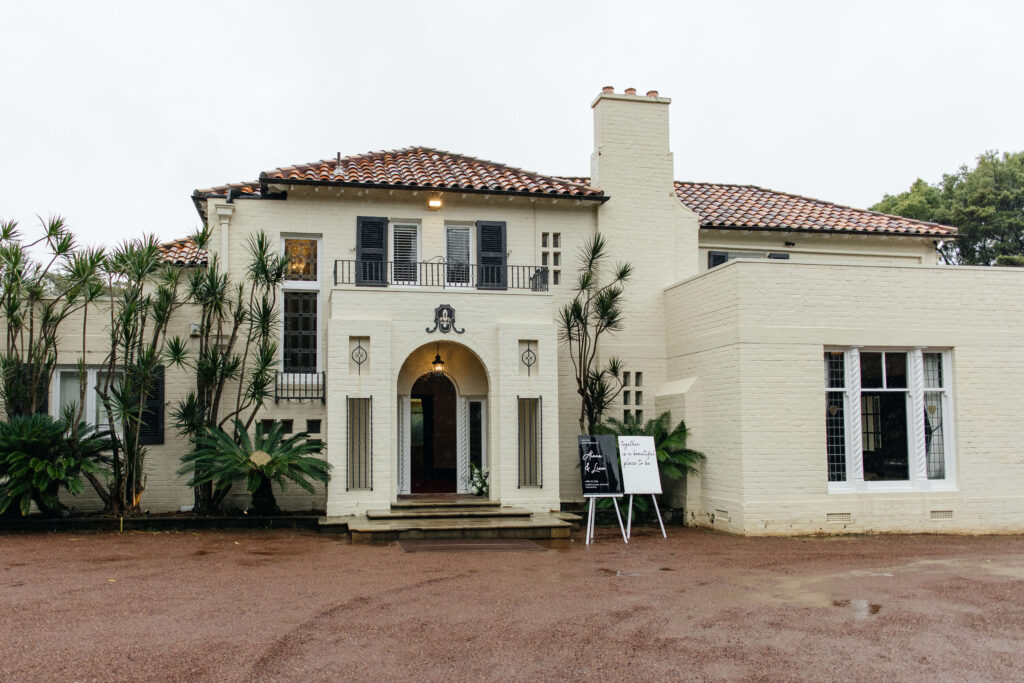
x: 442, y: 419
x: 432, y: 427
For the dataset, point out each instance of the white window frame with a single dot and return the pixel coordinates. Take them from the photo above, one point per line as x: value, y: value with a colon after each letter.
x: 392, y: 224
x: 917, y: 456
x: 92, y: 400
x: 304, y: 286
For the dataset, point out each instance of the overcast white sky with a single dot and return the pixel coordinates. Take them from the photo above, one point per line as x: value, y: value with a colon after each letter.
x: 112, y: 113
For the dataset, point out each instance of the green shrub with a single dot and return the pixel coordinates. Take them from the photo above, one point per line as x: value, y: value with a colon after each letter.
x: 224, y: 458
x: 1015, y: 260
x: 39, y: 456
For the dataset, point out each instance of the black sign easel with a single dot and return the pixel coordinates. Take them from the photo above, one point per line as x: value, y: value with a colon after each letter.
x: 601, y: 477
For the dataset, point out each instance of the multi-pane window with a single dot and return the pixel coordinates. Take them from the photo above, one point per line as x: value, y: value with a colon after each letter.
x: 835, y: 414
x: 302, y: 259
x: 300, y: 332
x: 873, y: 431
x: 935, y: 399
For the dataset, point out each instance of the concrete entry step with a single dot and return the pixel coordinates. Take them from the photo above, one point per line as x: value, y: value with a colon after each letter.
x: 362, y: 529
x: 447, y: 512
x: 443, y: 501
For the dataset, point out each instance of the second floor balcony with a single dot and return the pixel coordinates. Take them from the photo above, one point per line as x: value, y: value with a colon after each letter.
x: 368, y: 273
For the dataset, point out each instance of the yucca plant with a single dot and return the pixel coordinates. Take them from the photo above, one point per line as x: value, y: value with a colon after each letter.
x: 39, y: 457
x: 595, y: 309
x: 222, y: 458
x: 675, y: 458
x: 237, y: 345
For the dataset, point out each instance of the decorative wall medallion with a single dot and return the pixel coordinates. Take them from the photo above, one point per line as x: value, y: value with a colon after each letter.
x: 529, y: 358
x: 359, y: 354
x: 444, y: 320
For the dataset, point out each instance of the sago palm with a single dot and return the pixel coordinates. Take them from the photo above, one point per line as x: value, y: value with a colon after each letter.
x: 266, y: 458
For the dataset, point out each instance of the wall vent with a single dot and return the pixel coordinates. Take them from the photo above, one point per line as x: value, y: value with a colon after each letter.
x: 722, y: 515
x: 838, y: 517
x: 942, y: 514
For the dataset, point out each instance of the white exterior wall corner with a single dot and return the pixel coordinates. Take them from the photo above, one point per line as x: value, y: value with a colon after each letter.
x: 785, y: 314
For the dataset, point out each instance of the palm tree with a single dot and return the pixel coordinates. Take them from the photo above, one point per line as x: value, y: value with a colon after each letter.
x: 268, y: 458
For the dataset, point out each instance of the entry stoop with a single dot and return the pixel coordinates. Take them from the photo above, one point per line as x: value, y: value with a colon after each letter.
x: 450, y: 518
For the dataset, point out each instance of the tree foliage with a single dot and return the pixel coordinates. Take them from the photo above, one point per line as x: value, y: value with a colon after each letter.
x: 40, y: 456
x: 266, y: 458
x: 36, y: 296
x: 595, y: 309
x: 986, y: 203
x: 237, y: 337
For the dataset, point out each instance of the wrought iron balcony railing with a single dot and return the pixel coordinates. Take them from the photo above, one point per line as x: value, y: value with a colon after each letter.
x: 300, y: 386
x: 440, y: 274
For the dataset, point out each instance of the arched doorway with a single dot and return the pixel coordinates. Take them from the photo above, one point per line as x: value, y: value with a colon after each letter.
x: 442, y: 419
x: 432, y: 444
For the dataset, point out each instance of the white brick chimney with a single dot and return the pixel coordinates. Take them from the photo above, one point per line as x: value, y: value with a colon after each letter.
x: 632, y: 163
x: 631, y: 147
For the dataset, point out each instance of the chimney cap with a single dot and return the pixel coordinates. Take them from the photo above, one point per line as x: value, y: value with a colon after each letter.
x: 630, y: 91
x: 608, y: 89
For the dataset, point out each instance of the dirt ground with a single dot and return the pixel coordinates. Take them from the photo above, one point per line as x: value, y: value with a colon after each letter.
x: 295, y: 605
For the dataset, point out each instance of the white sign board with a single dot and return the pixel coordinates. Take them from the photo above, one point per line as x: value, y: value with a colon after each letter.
x: 639, y: 465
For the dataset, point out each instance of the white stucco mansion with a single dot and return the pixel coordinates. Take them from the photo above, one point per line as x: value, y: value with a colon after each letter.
x: 834, y: 375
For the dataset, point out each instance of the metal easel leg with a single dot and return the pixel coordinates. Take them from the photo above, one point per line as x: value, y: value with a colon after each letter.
x: 615, y: 502
x: 629, y: 517
x: 660, y: 523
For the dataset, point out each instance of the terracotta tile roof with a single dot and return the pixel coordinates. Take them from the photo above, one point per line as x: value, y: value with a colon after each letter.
x: 755, y: 208
x: 418, y: 168
x: 183, y: 252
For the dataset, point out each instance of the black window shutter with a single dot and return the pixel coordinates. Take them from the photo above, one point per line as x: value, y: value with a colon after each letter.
x: 717, y: 258
x: 778, y: 255
x: 490, y: 255
x: 151, y: 431
x: 371, y: 251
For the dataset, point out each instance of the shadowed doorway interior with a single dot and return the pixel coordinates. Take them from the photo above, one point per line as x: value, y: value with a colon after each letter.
x: 433, y: 435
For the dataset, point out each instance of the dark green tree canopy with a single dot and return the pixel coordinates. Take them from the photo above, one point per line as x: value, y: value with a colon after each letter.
x: 986, y: 203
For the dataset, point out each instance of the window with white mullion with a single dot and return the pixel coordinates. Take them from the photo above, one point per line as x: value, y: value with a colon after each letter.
x: 405, y: 255
x: 887, y: 424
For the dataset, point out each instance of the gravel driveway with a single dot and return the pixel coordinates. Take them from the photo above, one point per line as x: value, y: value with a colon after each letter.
x: 289, y: 605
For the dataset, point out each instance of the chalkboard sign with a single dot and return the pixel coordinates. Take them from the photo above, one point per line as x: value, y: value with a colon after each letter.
x: 599, y: 466
x: 639, y: 465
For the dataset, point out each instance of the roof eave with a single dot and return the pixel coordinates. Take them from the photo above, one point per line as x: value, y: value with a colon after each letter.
x: 831, y: 231
x: 267, y: 181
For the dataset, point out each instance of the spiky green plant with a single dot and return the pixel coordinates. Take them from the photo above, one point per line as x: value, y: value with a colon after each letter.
x: 267, y: 458
x: 142, y: 290
x: 237, y: 340
x: 36, y: 296
x: 40, y: 456
x: 675, y: 459
x: 595, y: 309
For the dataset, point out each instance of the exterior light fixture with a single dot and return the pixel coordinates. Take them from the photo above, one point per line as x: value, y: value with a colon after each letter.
x: 438, y: 365
x: 434, y: 202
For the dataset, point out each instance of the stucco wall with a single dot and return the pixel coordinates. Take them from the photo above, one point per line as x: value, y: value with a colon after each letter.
x: 753, y: 334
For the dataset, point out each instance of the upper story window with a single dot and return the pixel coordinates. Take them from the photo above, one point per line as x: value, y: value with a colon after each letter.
x: 887, y: 424
x: 302, y: 253
x: 405, y: 253
x: 717, y: 258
